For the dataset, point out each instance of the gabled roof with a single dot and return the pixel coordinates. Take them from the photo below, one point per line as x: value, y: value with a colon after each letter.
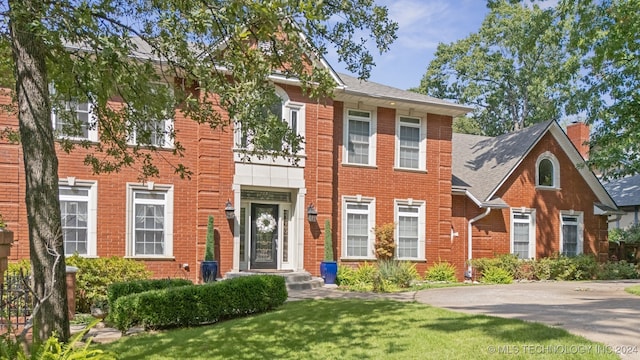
x: 355, y: 90
x: 625, y: 191
x: 482, y: 164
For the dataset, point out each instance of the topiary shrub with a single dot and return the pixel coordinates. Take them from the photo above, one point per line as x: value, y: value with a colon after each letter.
x: 496, y: 275
x: 199, y: 304
x: 96, y: 274
x: 441, y: 271
x: 120, y: 289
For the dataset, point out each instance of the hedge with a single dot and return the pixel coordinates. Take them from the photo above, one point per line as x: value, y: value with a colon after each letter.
x: 120, y: 289
x: 198, y: 304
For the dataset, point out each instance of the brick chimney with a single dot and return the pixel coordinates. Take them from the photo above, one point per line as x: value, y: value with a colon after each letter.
x: 578, y: 133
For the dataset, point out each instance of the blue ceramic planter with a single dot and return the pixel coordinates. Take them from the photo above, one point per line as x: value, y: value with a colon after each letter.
x: 329, y: 271
x: 209, y: 271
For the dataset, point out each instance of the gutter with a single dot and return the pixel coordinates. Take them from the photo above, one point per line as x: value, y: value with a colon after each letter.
x: 468, y: 273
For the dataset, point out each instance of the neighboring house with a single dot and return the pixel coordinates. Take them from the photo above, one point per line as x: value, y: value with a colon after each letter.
x: 626, y: 193
x: 526, y: 193
x: 372, y: 155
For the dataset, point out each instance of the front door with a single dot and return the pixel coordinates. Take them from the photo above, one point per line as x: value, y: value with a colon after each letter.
x: 264, y: 236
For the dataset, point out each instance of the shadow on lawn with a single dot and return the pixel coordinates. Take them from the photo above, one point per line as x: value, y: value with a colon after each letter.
x: 328, y: 328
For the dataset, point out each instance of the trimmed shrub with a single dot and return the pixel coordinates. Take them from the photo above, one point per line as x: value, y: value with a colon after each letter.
x: 199, y: 304
x: 441, y: 271
x: 617, y: 270
x: 120, y: 289
x: 96, y: 274
x: 496, y: 275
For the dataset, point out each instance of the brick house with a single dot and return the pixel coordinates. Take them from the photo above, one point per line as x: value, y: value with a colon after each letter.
x: 528, y: 193
x: 372, y: 155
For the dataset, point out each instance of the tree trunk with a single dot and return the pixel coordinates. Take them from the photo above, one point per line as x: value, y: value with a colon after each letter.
x: 41, y: 170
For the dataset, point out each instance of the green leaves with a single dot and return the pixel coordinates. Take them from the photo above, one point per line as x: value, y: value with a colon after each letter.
x: 516, y: 70
x: 216, y: 58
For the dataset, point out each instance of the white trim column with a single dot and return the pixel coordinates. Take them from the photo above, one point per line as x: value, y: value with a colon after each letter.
x: 236, y: 227
x: 301, y: 218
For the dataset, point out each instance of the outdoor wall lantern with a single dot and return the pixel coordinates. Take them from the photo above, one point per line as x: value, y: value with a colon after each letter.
x: 229, y: 210
x: 312, y: 214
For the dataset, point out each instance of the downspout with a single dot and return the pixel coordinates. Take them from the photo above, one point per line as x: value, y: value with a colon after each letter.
x: 469, y: 273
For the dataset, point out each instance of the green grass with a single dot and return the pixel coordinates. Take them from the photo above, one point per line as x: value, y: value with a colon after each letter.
x: 355, y: 329
x: 635, y: 290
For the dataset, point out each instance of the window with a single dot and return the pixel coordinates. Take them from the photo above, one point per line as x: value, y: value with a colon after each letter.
x: 410, y: 220
x: 150, y: 220
x: 411, y: 143
x: 358, y: 221
x: 75, y: 120
x: 359, y: 139
x: 571, y: 234
x: 155, y: 129
x: 78, y: 209
x: 523, y: 233
x: 547, y: 171
x: 153, y: 132
x: 290, y: 112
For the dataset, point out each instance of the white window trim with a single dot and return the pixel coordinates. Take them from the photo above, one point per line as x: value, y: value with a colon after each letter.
x: 556, y: 171
x: 532, y: 230
x: 373, y: 130
x: 92, y: 211
x: 287, y: 107
x: 92, y: 125
x: 167, y: 142
x: 422, y: 224
x: 150, y: 186
x: 422, y: 150
x: 371, y: 224
x: 580, y: 223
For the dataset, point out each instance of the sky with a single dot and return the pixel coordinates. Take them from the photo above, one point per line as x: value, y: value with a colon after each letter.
x: 423, y: 24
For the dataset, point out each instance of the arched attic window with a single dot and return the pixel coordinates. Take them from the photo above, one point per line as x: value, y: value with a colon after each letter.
x: 547, y: 171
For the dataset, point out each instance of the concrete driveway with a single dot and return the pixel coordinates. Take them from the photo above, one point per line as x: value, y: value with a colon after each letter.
x: 598, y: 310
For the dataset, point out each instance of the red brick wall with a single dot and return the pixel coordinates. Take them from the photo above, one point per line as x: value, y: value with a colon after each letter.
x: 385, y: 184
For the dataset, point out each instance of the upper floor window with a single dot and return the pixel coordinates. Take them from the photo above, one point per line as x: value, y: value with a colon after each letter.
x: 410, y: 220
x: 547, y: 171
x: 360, y: 127
x: 153, y: 124
x: 75, y: 120
x: 291, y: 113
x: 411, y: 143
x: 78, y: 210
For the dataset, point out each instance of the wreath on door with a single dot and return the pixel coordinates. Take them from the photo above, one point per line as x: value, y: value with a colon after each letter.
x: 265, y: 223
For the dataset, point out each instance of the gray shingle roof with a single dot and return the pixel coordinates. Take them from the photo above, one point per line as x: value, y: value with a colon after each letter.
x: 625, y: 191
x: 481, y: 163
x: 356, y: 86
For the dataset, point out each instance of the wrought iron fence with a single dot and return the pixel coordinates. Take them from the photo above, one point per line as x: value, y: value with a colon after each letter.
x: 16, y: 301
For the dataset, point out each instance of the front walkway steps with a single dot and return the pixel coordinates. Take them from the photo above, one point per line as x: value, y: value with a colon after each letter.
x: 300, y: 280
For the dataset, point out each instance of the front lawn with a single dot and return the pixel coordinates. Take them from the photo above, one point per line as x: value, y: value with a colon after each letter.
x: 358, y: 329
x: 635, y: 290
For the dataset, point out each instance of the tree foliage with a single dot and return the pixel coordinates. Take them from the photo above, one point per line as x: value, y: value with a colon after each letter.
x: 606, y: 33
x: 516, y: 70
x: 209, y: 60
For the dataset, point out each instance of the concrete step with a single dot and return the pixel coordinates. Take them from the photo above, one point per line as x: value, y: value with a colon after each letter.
x: 301, y: 280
